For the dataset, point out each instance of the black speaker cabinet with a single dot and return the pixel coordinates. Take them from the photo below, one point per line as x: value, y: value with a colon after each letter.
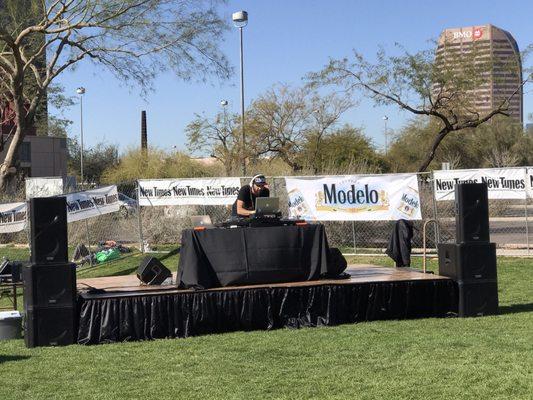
x: 471, y: 213
x: 467, y: 261
x: 152, y: 272
x: 50, y: 326
x: 478, y: 298
x: 48, y: 218
x: 49, y: 285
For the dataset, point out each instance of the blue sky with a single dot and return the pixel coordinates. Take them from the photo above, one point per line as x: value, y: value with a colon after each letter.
x: 282, y: 42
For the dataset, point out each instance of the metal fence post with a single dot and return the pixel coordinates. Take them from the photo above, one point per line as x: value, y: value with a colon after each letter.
x: 527, y: 225
x: 139, y: 219
x: 353, y: 237
x: 435, y: 210
x: 89, y: 242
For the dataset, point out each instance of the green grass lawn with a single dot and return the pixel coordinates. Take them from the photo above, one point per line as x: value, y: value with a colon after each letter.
x: 451, y: 358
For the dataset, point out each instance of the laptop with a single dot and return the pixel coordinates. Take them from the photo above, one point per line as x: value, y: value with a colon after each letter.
x: 201, y: 220
x: 266, y: 206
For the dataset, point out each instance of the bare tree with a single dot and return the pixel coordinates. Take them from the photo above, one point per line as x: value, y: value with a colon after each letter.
x: 423, y: 84
x: 285, y: 118
x: 220, y: 137
x: 134, y: 39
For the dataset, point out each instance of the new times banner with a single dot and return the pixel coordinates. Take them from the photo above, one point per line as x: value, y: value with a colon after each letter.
x: 355, y: 197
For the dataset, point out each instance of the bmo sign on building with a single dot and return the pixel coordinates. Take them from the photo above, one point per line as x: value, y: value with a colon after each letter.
x: 470, y: 34
x: 500, y: 46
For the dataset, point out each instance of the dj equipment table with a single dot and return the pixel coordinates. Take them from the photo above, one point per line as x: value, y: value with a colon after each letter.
x: 254, y: 255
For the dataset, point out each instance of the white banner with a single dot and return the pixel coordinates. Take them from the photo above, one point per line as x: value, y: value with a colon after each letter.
x: 355, y: 198
x: 91, y: 203
x: 173, y: 192
x: 502, y: 183
x: 43, y: 187
x: 13, y: 217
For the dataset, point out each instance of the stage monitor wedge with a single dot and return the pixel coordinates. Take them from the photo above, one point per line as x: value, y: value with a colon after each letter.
x: 48, y: 219
x: 152, y: 272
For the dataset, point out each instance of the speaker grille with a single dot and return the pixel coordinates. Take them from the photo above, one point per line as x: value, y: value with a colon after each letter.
x: 48, y: 216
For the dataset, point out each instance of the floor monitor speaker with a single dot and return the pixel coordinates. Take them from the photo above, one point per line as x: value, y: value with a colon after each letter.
x: 152, y: 272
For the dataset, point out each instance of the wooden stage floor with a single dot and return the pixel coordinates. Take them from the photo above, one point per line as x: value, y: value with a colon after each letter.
x: 129, y: 285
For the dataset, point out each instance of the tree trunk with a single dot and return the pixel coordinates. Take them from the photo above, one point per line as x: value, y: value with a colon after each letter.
x: 7, y: 171
x: 431, y: 155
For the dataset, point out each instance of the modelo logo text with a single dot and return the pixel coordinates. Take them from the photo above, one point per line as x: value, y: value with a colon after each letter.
x: 350, y: 196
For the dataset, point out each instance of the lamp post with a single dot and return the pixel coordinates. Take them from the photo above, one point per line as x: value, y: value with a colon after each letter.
x: 81, y: 91
x: 240, y: 19
x: 224, y: 104
x: 385, y: 119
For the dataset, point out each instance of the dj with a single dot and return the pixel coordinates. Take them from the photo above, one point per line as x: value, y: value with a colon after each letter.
x: 244, y: 206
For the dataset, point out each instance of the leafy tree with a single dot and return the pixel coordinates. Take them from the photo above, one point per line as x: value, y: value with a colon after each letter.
x: 500, y: 143
x: 345, y: 150
x: 134, y: 39
x: 423, y: 85
x: 156, y: 163
x: 96, y: 160
x: 279, y: 124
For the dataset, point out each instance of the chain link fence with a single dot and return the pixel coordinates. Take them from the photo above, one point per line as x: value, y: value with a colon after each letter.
x: 151, y: 228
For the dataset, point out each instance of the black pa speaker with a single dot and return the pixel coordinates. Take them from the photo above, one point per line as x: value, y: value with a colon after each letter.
x: 49, y: 304
x: 478, y: 298
x: 48, y: 216
x: 471, y: 212
x: 152, y: 272
x: 49, y: 285
x: 51, y: 326
x: 467, y: 261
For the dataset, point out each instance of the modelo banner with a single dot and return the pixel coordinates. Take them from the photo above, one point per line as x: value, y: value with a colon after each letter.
x: 355, y: 197
x: 502, y: 183
x: 92, y: 203
x: 177, y: 192
x: 13, y: 217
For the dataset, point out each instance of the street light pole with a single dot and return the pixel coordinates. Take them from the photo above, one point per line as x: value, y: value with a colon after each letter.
x: 240, y: 18
x: 81, y: 92
x: 385, y: 119
x: 224, y: 103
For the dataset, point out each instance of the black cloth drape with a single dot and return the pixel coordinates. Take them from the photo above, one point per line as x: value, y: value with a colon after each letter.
x: 399, y: 247
x: 254, y: 255
x: 173, y: 315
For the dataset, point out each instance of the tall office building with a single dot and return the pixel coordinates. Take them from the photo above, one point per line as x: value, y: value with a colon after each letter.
x: 504, y: 72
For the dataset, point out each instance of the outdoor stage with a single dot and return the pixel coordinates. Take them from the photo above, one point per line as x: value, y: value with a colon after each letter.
x: 119, y: 309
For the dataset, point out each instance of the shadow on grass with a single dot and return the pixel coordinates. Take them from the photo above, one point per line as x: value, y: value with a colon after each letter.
x: 135, y: 267
x: 5, y: 358
x: 170, y: 254
x: 516, y: 308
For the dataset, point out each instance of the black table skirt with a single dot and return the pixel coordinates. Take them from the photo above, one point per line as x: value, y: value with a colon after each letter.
x: 185, y: 314
x: 254, y: 255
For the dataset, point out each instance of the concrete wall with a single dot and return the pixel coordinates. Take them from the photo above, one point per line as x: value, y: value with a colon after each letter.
x: 42, y: 156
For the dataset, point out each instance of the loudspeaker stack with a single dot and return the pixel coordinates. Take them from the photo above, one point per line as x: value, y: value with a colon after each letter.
x: 49, y: 280
x: 471, y: 261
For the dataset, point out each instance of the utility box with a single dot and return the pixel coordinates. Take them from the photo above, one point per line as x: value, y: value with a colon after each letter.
x: 10, y: 325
